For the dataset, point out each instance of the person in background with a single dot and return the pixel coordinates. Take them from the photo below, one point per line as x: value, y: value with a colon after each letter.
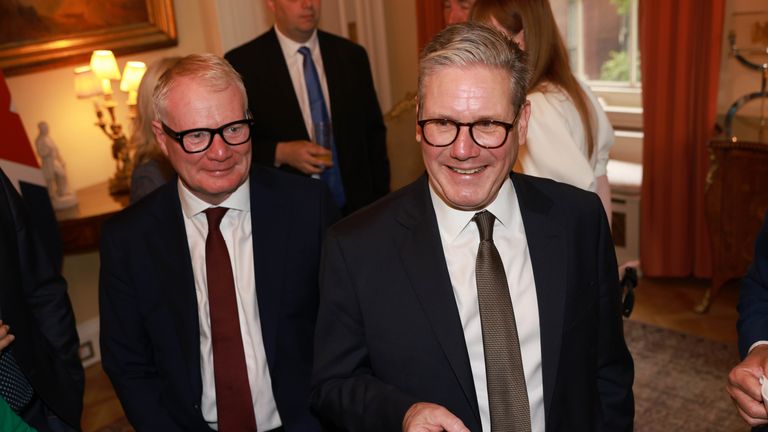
x: 41, y: 376
x: 298, y: 77
x: 456, y: 11
x: 151, y: 168
x: 744, y: 380
x: 474, y: 298
x: 208, y: 286
x: 569, y: 135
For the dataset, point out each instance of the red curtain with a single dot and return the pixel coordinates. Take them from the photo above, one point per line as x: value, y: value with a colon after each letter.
x: 680, y: 45
x: 429, y: 16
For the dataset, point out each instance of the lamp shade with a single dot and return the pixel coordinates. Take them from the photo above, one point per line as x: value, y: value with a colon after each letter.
x: 132, y: 74
x: 86, y: 83
x: 104, y: 65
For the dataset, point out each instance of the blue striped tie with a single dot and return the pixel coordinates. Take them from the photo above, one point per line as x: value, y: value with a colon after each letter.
x: 332, y: 175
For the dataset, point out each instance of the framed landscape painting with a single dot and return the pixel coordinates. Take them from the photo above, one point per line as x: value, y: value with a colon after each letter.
x: 42, y: 34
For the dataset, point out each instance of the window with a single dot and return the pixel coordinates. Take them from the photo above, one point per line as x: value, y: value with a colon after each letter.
x: 601, y: 37
x: 602, y: 41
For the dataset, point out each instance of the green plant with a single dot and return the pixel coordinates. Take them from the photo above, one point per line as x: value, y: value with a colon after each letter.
x: 616, y: 68
x: 622, y: 6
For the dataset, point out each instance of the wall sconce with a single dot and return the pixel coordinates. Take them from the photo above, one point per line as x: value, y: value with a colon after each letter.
x: 96, y: 79
x: 132, y: 74
x: 86, y: 84
x: 105, y: 67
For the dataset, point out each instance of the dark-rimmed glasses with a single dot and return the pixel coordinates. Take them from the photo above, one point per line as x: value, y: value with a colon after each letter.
x: 489, y: 134
x: 200, y: 139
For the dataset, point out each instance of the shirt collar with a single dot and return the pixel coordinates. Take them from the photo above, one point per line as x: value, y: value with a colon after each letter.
x: 191, y: 205
x: 452, y: 222
x: 291, y: 48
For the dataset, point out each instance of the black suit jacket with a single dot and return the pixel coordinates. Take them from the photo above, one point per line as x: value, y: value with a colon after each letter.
x: 358, y: 128
x: 150, y: 340
x: 753, y: 296
x: 389, y: 332
x: 34, y: 302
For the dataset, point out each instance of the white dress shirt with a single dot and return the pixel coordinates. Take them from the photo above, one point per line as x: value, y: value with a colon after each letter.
x: 236, y: 229
x: 460, y: 238
x: 295, y: 62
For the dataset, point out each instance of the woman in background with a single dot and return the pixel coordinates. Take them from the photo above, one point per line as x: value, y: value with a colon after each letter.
x: 151, y: 168
x: 569, y: 136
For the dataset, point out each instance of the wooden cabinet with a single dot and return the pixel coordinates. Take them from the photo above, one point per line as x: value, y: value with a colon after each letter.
x: 80, y: 226
x: 736, y: 203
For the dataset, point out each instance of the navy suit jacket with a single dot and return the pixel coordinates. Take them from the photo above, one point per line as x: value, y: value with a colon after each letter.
x: 150, y: 340
x: 389, y: 332
x: 753, y: 296
x: 358, y: 128
x: 34, y: 302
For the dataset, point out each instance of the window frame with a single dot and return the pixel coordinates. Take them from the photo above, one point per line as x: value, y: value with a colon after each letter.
x: 622, y: 101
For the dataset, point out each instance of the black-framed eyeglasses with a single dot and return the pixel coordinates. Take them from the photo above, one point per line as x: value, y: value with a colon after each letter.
x: 200, y: 139
x: 489, y: 134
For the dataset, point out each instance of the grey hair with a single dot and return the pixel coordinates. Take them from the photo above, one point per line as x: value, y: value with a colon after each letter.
x: 475, y: 44
x: 213, y: 70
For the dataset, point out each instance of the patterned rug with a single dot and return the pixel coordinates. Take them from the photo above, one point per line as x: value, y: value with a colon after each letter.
x: 680, y: 381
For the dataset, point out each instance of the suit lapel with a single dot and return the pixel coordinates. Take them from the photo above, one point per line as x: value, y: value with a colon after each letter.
x: 280, y: 81
x: 269, y: 249
x: 333, y: 67
x: 546, y: 245
x: 424, y: 262
x: 337, y: 69
x: 176, y: 279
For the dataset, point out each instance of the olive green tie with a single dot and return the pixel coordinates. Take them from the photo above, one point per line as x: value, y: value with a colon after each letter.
x: 507, y: 393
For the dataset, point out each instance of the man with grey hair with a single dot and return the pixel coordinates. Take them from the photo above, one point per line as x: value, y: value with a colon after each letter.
x: 208, y: 285
x: 474, y: 298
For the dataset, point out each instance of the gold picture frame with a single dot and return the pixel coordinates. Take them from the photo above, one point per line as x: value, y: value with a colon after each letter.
x: 31, y: 56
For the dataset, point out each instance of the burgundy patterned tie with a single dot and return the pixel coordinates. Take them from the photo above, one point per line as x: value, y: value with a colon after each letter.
x: 233, y: 393
x: 507, y: 392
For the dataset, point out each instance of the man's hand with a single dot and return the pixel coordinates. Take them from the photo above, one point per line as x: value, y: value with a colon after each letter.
x: 744, y: 386
x: 305, y: 156
x: 429, y: 417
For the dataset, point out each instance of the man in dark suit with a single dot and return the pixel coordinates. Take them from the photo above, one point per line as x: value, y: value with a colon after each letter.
x: 273, y: 70
x: 209, y: 284
x: 744, y: 380
x: 48, y: 391
x: 473, y: 293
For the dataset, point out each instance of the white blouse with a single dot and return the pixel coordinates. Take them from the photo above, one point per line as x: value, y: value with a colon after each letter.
x: 555, y: 146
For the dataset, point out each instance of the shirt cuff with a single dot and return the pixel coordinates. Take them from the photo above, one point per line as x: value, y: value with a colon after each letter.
x: 757, y: 344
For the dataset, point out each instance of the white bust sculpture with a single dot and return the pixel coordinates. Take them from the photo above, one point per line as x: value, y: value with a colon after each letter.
x: 54, y: 169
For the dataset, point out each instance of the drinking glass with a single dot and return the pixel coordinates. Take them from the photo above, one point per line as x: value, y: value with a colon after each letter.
x: 323, y: 134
